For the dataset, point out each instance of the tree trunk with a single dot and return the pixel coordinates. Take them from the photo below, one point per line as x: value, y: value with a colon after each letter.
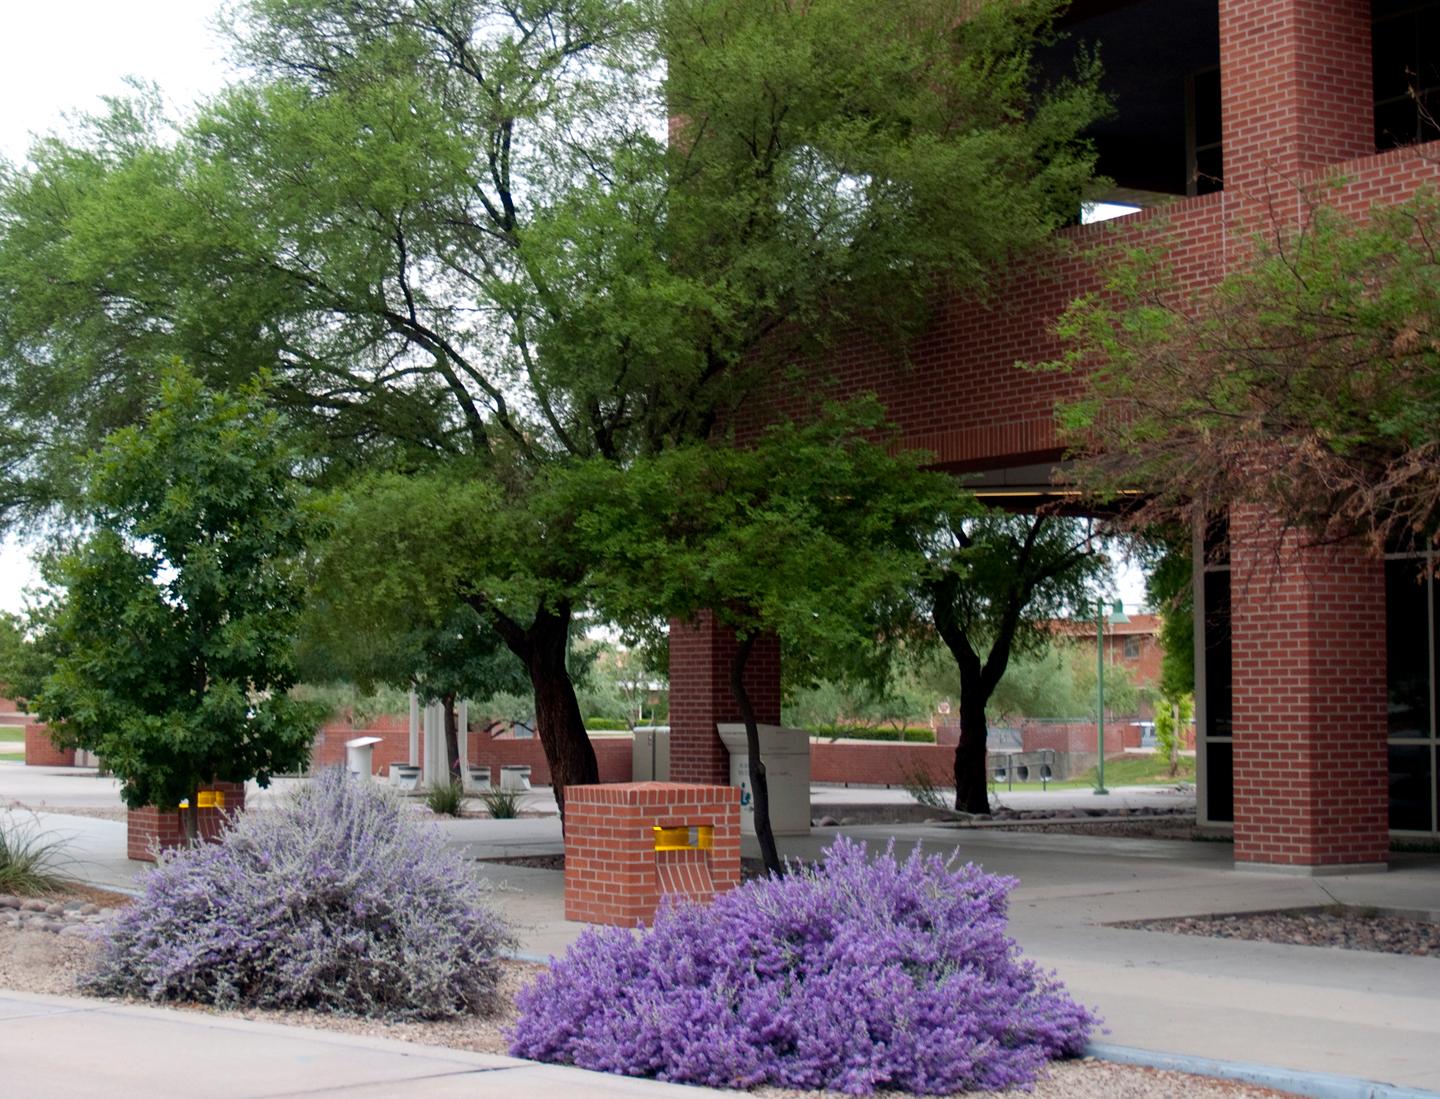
x: 452, y: 737
x: 558, y: 721
x: 759, y: 784
x: 972, y: 783
x: 190, y: 819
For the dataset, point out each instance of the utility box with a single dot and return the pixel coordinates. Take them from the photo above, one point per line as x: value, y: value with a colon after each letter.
x: 650, y: 754
x: 360, y: 753
x: 405, y: 776
x: 515, y: 777
x: 786, y: 753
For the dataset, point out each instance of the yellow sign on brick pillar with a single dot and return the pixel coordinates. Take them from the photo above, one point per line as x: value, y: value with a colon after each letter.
x: 694, y: 837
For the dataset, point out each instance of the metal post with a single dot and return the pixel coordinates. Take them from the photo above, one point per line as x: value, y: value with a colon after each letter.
x: 414, y: 729
x: 1100, y: 691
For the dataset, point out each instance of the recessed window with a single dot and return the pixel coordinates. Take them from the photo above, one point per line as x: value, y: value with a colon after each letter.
x: 1406, y: 73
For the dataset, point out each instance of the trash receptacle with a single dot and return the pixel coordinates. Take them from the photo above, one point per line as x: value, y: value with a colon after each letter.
x: 786, y: 753
x: 650, y: 754
x: 359, y: 754
x: 515, y: 776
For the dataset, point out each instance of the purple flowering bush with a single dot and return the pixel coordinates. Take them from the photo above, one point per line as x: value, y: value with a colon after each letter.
x: 338, y: 901
x: 855, y: 975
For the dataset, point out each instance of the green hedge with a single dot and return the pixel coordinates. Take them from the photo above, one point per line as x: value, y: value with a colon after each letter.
x: 914, y: 734
x: 607, y: 725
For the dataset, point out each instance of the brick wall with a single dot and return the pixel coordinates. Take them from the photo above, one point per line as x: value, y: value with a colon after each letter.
x: 614, y: 875
x: 149, y: 828
x: 1296, y: 92
x: 1310, y: 769
x: 612, y: 753
x: 700, y: 696
x: 328, y: 749
x: 40, y: 750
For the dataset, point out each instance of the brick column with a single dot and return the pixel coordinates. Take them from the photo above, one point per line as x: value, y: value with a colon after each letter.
x: 700, y: 696
x: 150, y: 828
x: 1311, y: 774
x: 1295, y: 85
x: 614, y: 873
x: 40, y: 750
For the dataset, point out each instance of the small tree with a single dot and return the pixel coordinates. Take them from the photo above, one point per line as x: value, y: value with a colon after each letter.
x: 176, y: 614
x: 998, y: 581
x: 811, y: 534
x: 1169, y: 588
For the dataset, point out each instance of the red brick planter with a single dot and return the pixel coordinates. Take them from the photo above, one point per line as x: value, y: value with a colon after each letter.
x: 618, y: 867
x: 149, y: 828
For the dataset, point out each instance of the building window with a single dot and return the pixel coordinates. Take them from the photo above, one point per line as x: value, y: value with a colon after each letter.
x: 1204, y: 156
x: 1410, y: 662
x: 1214, y: 730
x: 1131, y: 648
x: 1406, y: 67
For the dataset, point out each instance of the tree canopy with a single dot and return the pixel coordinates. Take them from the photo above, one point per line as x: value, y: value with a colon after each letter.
x: 174, y: 626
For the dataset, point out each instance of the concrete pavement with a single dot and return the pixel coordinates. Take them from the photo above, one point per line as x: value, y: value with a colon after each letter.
x: 1372, y: 1016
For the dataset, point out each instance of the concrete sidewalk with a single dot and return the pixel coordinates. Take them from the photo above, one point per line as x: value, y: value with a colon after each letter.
x: 125, y: 1052
x: 1356, y: 1014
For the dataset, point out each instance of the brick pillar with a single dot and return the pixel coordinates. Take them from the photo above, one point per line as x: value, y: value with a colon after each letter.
x: 700, y: 696
x: 1295, y: 86
x: 40, y: 750
x: 614, y: 873
x: 1311, y: 774
x: 150, y: 828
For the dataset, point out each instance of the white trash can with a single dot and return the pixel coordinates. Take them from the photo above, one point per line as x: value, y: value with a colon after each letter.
x: 360, y: 753
x: 786, y: 753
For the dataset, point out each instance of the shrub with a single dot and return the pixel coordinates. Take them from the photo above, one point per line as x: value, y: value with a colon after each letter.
x: 447, y: 800
x: 854, y: 976
x: 30, y: 860
x: 338, y: 901
x: 922, y: 787
x: 502, y: 804
x: 911, y: 734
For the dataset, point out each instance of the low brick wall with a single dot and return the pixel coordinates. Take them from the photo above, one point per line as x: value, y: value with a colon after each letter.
x: 613, y: 872
x: 879, y: 763
x: 612, y: 755
x: 149, y: 828
x: 328, y: 748
x: 40, y: 750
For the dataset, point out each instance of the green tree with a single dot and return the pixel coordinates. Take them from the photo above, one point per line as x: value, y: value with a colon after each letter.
x: 176, y: 616
x: 1304, y: 384
x: 809, y: 535
x: 1169, y: 586
x: 998, y: 582
x: 457, y: 233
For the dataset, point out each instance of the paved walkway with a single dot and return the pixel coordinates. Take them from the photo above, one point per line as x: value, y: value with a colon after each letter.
x: 1372, y: 1016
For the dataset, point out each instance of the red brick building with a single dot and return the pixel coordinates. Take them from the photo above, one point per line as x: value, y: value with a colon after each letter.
x: 1313, y: 742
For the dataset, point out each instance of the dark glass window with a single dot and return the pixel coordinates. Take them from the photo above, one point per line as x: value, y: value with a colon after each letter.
x: 1407, y: 648
x: 1406, y: 74
x: 1132, y: 648
x: 1410, y: 787
x: 1219, y: 781
x: 1218, y: 709
x: 1202, y: 108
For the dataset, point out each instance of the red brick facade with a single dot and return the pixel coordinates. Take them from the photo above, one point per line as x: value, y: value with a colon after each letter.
x: 613, y: 872
x: 700, y: 654
x: 150, y: 828
x: 1309, y: 698
x: 40, y: 750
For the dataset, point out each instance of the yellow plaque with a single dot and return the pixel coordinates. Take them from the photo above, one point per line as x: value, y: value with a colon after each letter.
x: 207, y: 799
x: 685, y: 837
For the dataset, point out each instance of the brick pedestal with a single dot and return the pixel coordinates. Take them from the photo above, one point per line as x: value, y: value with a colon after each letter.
x: 40, y: 750
x: 149, y: 828
x: 1311, y: 777
x: 700, y: 695
x: 614, y: 873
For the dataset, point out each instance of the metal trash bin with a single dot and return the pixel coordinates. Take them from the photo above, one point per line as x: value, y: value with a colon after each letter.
x: 405, y: 776
x: 786, y: 753
x: 650, y: 754
x: 360, y: 754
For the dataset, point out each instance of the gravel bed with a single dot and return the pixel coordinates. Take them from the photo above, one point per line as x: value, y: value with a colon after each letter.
x: 1342, y: 927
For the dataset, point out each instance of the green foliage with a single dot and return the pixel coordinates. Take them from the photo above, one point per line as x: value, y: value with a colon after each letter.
x: 1304, y: 384
x: 1172, y: 718
x: 502, y: 804
x: 1169, y: 587
x: 447, y: 800
x: 607, y: 724
x: 174, y: 628
x: 31, y: 860
x: 1059, y: 682
x: 911, y: 734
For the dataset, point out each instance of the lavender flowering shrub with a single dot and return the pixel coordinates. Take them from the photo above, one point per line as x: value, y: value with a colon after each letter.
x: 855, y: 976
x: 337, y: 900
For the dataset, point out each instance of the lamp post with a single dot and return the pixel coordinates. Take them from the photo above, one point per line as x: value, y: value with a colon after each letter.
x: 1116, y: 614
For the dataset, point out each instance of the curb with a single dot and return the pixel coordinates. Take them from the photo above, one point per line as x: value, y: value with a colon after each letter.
x: 1317, y: 1085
